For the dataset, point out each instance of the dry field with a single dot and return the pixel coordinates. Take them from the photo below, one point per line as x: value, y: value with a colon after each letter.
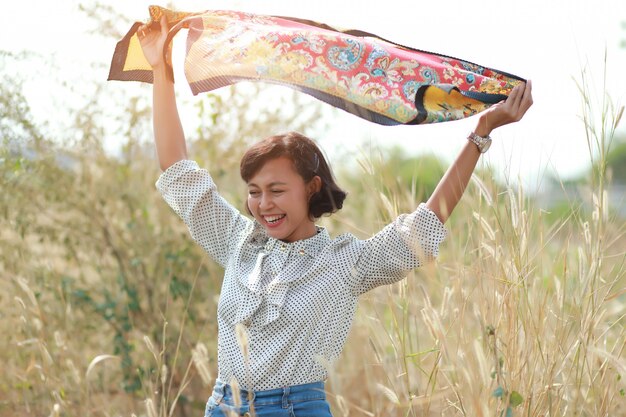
x: 108, y: 308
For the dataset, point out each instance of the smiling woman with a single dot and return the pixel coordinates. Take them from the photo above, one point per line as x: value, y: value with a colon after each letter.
x: 288, y: 286
x: 290, y: 291
x: 263, y: 168
x: 278, y: 197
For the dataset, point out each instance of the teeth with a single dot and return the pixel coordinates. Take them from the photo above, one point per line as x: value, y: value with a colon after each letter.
x: 272, y: 219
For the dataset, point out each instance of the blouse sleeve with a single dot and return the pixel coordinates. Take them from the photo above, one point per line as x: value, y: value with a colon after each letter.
x: 405, y: 244
x: 213, y: 223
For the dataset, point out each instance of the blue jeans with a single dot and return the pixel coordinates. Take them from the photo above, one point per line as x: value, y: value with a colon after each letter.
x: 307, y: 400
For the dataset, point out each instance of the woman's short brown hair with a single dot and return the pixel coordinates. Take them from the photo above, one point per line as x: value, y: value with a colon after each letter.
x: 308, y: 161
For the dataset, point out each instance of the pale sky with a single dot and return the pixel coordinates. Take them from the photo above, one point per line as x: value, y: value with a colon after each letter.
x: 549, y: 42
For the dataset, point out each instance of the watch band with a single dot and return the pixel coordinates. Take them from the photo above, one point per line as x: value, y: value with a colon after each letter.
x: 483, y: 144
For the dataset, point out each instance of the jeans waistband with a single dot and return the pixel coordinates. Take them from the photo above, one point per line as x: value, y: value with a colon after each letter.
x: 291, y: 393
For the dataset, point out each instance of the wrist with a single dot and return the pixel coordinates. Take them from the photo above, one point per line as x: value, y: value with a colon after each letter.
x: 159, y: 71
x: 482, y: 128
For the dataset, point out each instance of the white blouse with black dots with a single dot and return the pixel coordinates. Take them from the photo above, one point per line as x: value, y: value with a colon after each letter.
x: 294, y: 301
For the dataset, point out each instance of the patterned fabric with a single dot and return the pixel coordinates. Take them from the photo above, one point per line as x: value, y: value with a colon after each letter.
x: 352, y: 70
x: 292, y: 302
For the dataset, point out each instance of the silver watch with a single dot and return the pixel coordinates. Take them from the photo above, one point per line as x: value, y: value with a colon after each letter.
x: 482, y: 143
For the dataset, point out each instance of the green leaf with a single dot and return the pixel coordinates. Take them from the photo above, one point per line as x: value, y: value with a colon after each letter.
x: 515, y: 399
x: 179, y: 288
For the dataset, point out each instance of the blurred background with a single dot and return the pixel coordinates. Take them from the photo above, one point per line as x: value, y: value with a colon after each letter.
x: 107, y: 306
x: 552, y: 43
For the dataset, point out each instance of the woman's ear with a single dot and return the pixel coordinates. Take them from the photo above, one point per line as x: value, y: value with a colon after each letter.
x: 314, y: 186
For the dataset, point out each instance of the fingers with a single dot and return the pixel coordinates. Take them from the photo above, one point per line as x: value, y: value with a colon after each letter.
x: 164, y: 29
x: 527, y: 100
x: 511, y: 110
x: 508, y: 110
x: 515, y: 97
x: 143, y: 31
x: 148, y: 28
x: 519, y: 101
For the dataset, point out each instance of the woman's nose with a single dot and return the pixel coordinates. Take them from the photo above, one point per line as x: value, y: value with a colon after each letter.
x: 266, y: 202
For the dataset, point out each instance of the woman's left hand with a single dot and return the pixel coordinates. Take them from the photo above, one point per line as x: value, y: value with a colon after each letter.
x: 510, y: 111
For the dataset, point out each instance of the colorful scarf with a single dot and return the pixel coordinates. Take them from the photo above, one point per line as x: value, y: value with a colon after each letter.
x: 355, y: 71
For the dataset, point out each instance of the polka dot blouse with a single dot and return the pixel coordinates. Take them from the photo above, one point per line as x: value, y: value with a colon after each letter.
x: 285, y: 309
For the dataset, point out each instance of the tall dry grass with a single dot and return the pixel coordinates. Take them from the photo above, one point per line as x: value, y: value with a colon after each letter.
x: 519, y: 316
x: 108, y: 308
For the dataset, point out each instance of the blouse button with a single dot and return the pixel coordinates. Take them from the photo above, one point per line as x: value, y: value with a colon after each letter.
x: 301, y: 251
x: 283, y: 247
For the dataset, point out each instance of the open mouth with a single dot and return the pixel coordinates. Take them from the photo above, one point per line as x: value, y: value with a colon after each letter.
x: 274, y: 219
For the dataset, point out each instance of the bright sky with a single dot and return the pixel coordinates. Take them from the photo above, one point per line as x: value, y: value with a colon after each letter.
x: 547, y: 41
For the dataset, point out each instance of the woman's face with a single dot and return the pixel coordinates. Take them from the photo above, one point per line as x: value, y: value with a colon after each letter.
x: 278, y: 198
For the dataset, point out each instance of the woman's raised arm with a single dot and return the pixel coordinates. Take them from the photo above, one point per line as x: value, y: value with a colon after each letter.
x: 451, y: 187
x: 168, y: 131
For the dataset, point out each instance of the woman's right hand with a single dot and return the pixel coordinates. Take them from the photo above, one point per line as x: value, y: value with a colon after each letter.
x: 152, y: 41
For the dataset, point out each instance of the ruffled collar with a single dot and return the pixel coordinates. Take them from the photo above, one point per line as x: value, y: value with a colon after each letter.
x: 275, y: 292
x: 311, y: 246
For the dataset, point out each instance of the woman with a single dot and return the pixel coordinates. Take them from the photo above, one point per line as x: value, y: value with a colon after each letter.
x: 290, y: 291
